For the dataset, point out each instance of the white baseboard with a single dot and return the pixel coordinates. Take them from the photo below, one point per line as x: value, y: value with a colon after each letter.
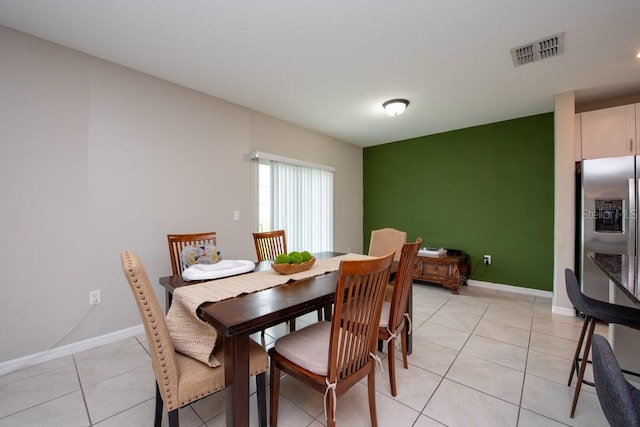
x: 563, y: 311
x: 510, y: 288
x: 69, y: 349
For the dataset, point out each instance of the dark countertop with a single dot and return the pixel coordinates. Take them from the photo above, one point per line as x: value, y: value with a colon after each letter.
x: 618, y: 270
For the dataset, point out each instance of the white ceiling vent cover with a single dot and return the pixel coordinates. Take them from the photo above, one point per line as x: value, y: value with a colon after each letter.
x: 545, y: 48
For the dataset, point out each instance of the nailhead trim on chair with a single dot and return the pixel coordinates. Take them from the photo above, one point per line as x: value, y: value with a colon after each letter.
x: 169, y: 402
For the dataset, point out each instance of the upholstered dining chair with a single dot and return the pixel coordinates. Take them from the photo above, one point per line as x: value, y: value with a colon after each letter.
x: 177, y: 242
x: 181, y: 380
x: 332, y: 356
x: 619, y: 399
x: 395, y: 318
x: 593, y: 310
x: 386, y: 240
x: 270, y: 244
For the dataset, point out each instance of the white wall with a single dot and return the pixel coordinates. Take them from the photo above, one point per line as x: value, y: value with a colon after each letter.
x: 564, y: 199
x: 96, y: 158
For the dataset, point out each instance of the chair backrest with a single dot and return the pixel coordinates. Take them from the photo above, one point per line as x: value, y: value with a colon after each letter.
x: 354, y: 326
x: 270, y: 244
x: 177, y: 243
x: 163, y: 356
x: 573, y: 291
x: 402, y: 283
x: 386, y: 240
x: 620, y: 401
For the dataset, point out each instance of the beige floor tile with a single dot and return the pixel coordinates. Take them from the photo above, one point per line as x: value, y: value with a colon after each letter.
x: 415, y: 385
x: 109, y: 361
x: 487, y: 377
x: 441, y: 335
x: 553, y: 400
x: 67, y: 410
x: 531, y: 419
x: 501, y: 353
x: 455, y: 405
x: 424, y: 421
x: 454, y: 320
x: 35, y: 390
x: 503, y: 333
x: 432, y: 357
x: 508, y: 318
x: 117, y: 394
x: 561, y: 347
x: 568, y: 330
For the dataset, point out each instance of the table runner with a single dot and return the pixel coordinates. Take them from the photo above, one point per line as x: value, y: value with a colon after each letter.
x: 196, y: 338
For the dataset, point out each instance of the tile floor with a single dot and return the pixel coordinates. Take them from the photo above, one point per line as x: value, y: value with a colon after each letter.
x: 482, y: 358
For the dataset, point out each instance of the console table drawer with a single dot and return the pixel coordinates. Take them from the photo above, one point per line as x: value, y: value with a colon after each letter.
x: 434, y: 271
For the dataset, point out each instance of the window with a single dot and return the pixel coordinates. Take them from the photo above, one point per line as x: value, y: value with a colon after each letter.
x: 298, y: 198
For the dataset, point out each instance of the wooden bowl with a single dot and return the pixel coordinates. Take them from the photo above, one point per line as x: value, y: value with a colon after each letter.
x: 293, y: 268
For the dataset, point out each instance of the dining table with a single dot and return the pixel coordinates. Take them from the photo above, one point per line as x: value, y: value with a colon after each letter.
x: 239, y: 317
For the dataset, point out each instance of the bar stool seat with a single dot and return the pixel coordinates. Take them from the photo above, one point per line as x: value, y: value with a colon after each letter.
x: 594, y: 310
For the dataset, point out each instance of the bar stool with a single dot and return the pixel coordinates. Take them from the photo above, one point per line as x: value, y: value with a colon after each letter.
x: 593, y: 311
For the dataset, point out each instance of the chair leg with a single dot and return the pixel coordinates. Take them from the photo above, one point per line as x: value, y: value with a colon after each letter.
x: 319, y: 315
x: 405, y: 340
x: 274, y: 393
x: 392, y: 367
x: 373, y: 414
x: 261, y: 394
x: 574, y: 362
x: 157, y: 422
x: 174, y: 420
x: 292, y: 325
x: 583, y: 365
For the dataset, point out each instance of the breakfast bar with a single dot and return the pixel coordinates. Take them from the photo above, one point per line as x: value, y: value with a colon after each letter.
x: 621, y: 270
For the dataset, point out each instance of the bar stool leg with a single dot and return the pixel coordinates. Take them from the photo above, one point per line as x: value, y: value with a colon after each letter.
x: 583, y: 365
x: 574, y: 362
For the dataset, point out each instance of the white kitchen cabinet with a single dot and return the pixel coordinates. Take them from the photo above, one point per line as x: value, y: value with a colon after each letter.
x: 610, y: 132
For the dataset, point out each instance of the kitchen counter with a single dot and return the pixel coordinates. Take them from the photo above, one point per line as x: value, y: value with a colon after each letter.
x: 616, y: 267
x: 623, y: 290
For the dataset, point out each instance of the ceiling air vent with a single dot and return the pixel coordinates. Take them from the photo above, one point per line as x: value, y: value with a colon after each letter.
x: 547, y: 47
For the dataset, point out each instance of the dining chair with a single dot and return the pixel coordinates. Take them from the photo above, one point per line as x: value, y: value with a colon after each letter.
x: 395, y: 317
x: 177, y: 242
x: 594, y: 310
x: 270, y: 244
x: 386, y: 240
x: 181, y: 380
x: 333, y: 356
x: 619, y: 399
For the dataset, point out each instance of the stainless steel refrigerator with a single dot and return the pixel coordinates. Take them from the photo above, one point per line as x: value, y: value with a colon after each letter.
x: 607, y: 218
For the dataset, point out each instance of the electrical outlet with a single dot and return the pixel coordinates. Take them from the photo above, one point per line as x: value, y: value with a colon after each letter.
x: 487, y: 259
x: 94, y: 297
x: 236, y: 215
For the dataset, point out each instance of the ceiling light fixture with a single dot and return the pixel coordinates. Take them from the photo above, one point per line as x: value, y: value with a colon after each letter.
x: 395, y: 107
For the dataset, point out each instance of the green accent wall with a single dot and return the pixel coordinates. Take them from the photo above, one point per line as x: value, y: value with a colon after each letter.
x: 485, y: 189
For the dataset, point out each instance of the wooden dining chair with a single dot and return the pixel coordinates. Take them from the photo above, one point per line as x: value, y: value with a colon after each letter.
x: 181, y: 380
x: 395, y: 318
x: 270, y: 244
x: 333, y: 356
x: 177, y: 242
x: 386, y: 240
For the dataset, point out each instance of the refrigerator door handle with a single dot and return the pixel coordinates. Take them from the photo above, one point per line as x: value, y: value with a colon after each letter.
x: 633, y: 189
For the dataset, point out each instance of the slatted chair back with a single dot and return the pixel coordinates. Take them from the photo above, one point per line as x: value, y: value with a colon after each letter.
x: 177, y: 243
x: 270, y: 244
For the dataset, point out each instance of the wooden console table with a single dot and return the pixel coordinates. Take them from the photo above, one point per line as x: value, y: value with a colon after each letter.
x: 451, y: 271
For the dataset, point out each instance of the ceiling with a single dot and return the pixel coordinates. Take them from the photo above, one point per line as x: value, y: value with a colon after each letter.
x: 329, y: 65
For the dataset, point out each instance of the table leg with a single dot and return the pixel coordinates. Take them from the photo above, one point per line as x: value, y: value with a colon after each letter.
x: 410, y: 311
x: 236, y: 365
